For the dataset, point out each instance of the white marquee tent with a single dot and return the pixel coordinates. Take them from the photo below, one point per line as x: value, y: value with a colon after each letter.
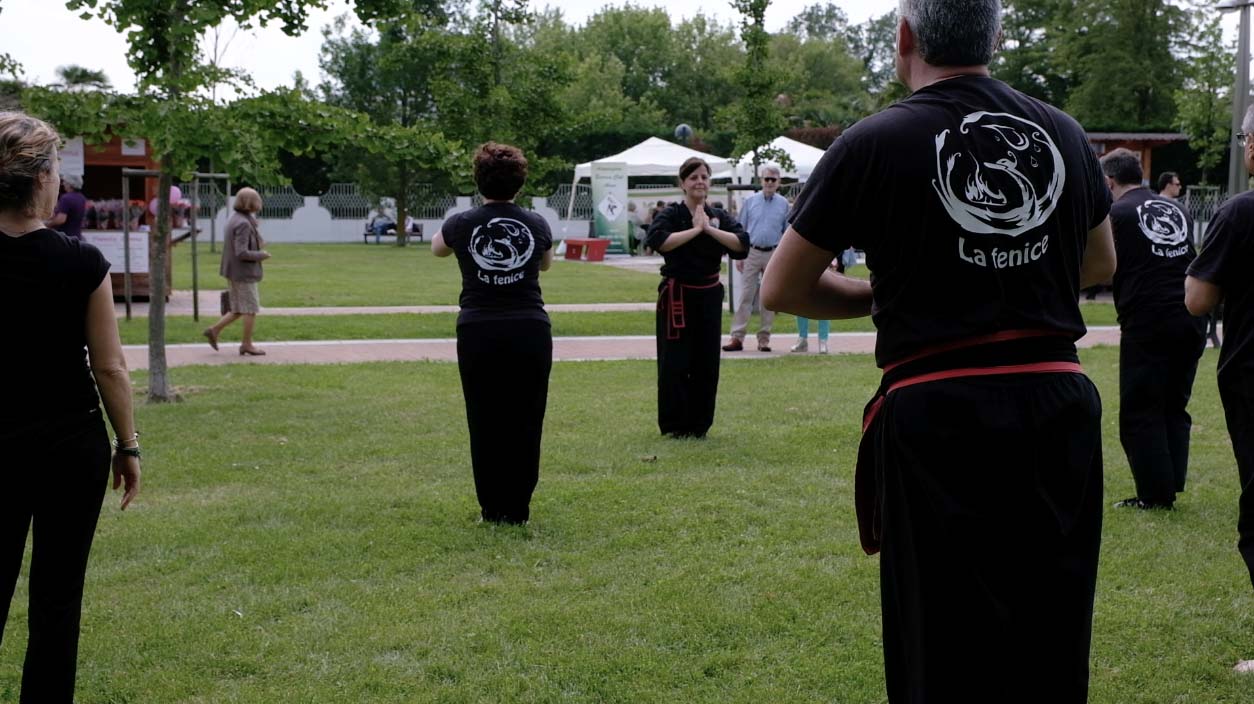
x: 804, y: 159
x: 658, y: 157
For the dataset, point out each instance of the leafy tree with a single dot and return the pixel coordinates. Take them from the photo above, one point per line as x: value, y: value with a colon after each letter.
x: 874, y: 42
x: 1030, y: 58
x: 171, y: 112
x: 1204, y: 103
x: 757, y: 117
x: 81, y: 78
x: 1127, y: 73
x: 823, y: 21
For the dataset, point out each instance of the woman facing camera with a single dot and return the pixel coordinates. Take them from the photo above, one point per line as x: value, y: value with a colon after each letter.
x: 504, y: 343
x: 692, y: 238
x: 243, y: 251
x: 57, y: 292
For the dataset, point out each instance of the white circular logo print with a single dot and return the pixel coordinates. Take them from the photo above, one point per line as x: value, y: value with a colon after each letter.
x: 1000, y: 174
x: 503, y: 244
x: 1162, y: 222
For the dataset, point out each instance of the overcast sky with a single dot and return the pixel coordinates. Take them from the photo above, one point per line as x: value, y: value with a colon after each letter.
x: 42, y: 35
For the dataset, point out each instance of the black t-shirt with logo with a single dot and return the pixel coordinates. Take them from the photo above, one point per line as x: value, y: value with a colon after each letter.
x: 1153, y: 248
x: 700, y: 257
x: 973, y: 203
x: 1227, y: 260
x: 46, y: 280
x: 499, y: 248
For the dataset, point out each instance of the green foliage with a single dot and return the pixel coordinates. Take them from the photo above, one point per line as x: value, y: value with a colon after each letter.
x: 757, y: 117
x: 81, y: 77
x: 1204, y: 103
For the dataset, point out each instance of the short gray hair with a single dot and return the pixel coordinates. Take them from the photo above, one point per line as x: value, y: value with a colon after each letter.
x: 768, y: 169
x: 1247, y: 124
x: 954, y: 32
x: 73, y: 181
x: 1124, y: 166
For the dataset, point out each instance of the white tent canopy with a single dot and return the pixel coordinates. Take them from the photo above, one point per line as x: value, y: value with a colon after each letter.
x: 658, y: 157
x: 804, y: 159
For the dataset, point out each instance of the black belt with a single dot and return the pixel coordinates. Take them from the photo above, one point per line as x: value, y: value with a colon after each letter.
x: 764, y: 249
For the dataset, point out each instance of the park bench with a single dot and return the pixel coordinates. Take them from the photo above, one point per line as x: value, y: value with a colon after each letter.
x: 587, y: 248
x: 369, y: 232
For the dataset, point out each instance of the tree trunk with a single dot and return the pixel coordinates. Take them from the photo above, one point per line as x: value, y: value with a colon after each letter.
x: 159, y: 389
x: 402, y: 208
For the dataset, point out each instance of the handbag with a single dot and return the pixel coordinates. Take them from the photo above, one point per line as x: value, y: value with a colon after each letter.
x: 226, y: 302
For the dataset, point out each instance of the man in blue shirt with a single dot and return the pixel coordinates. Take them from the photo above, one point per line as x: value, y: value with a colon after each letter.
x: 765, y: 217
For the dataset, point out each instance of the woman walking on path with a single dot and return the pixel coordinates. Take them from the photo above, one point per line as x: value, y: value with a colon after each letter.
x: 57, y: 291
x: 692, y: 238
x: 504, y: 342
x: 242, y: 254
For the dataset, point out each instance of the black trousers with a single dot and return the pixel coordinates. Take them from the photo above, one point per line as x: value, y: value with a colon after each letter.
x: 1156, y: 374
x: 57, y: 479
x: 505, y: 367
x: 1236, y: 389
x: 991, y: 519
x: 688, y: 358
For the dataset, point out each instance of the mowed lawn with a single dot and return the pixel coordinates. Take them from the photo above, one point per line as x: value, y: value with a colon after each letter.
x: 308, y: 534
x: 386, y: 275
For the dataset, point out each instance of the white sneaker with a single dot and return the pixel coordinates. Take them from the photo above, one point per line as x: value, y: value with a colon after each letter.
x: 801, y: 346
x: 822, y: 346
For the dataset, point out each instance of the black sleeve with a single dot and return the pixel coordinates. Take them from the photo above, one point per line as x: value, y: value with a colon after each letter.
x: 1099, y: 195
x: 94, y: 266
x: 728, y: 223
x: 546, y: 233
x: 821, y: 213
x: 1214, y: 263
x: 659, y: 229
x: 449, y: 229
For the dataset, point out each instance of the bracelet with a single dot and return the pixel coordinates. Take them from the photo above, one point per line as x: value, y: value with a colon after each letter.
x: 128, y: 451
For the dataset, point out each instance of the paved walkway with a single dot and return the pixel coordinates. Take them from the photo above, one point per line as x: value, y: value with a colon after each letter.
x: 565, y: 349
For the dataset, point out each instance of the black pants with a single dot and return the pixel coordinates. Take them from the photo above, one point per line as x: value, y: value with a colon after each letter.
x: 56, y: 481
x: 505, y: 367
x: 992, y: 510
x: 1156, y: 374
x: 688, y: 359
x: 1236, y: 389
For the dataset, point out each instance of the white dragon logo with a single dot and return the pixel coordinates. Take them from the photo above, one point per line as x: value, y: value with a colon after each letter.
x: 503, y: 244
x: 1001, y: 174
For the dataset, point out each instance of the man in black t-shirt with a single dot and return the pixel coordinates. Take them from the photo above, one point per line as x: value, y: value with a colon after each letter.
x: 982, y: 212
x: 1160, y: 341
x: 1222, y: 271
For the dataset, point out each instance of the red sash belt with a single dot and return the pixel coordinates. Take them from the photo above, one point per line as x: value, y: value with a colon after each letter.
x: 673, y: 302
x: 866, y: 473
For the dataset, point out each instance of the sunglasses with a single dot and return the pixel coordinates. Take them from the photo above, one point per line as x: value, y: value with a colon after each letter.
x: 769, y: 179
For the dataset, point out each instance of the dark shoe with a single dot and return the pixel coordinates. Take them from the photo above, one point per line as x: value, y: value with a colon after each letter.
x: 1134, y: 502
x: 764, y: 347
x: 734, y: 346
x: 213, y: 338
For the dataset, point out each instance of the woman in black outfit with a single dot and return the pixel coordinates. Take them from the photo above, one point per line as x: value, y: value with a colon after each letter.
x: 504, y: 344
x: 57, y: 292
x: 692, y: 238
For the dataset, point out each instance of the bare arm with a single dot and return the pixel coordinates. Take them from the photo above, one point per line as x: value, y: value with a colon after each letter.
x: 108, y: 365
x: 1098, y: 264
x: 439, y: 249
x: 547, y: 260
x: 1201, y: 297
x: 798, y: 281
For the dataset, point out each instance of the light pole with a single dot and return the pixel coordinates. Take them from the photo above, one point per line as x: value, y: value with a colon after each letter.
x: 1238, y: 179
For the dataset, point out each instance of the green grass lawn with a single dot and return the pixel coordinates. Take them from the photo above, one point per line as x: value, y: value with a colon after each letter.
x: 404, y: 326
x: 308, y: 534
x: 382, y: 275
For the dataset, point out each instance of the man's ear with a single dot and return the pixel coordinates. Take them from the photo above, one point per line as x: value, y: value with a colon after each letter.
x: 905, y: 38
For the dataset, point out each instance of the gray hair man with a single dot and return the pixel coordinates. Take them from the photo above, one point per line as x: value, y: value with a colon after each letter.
x: 764, y: 216
x: 1221, y: 272
x: 1160, y: 343
x: 981, y: 211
